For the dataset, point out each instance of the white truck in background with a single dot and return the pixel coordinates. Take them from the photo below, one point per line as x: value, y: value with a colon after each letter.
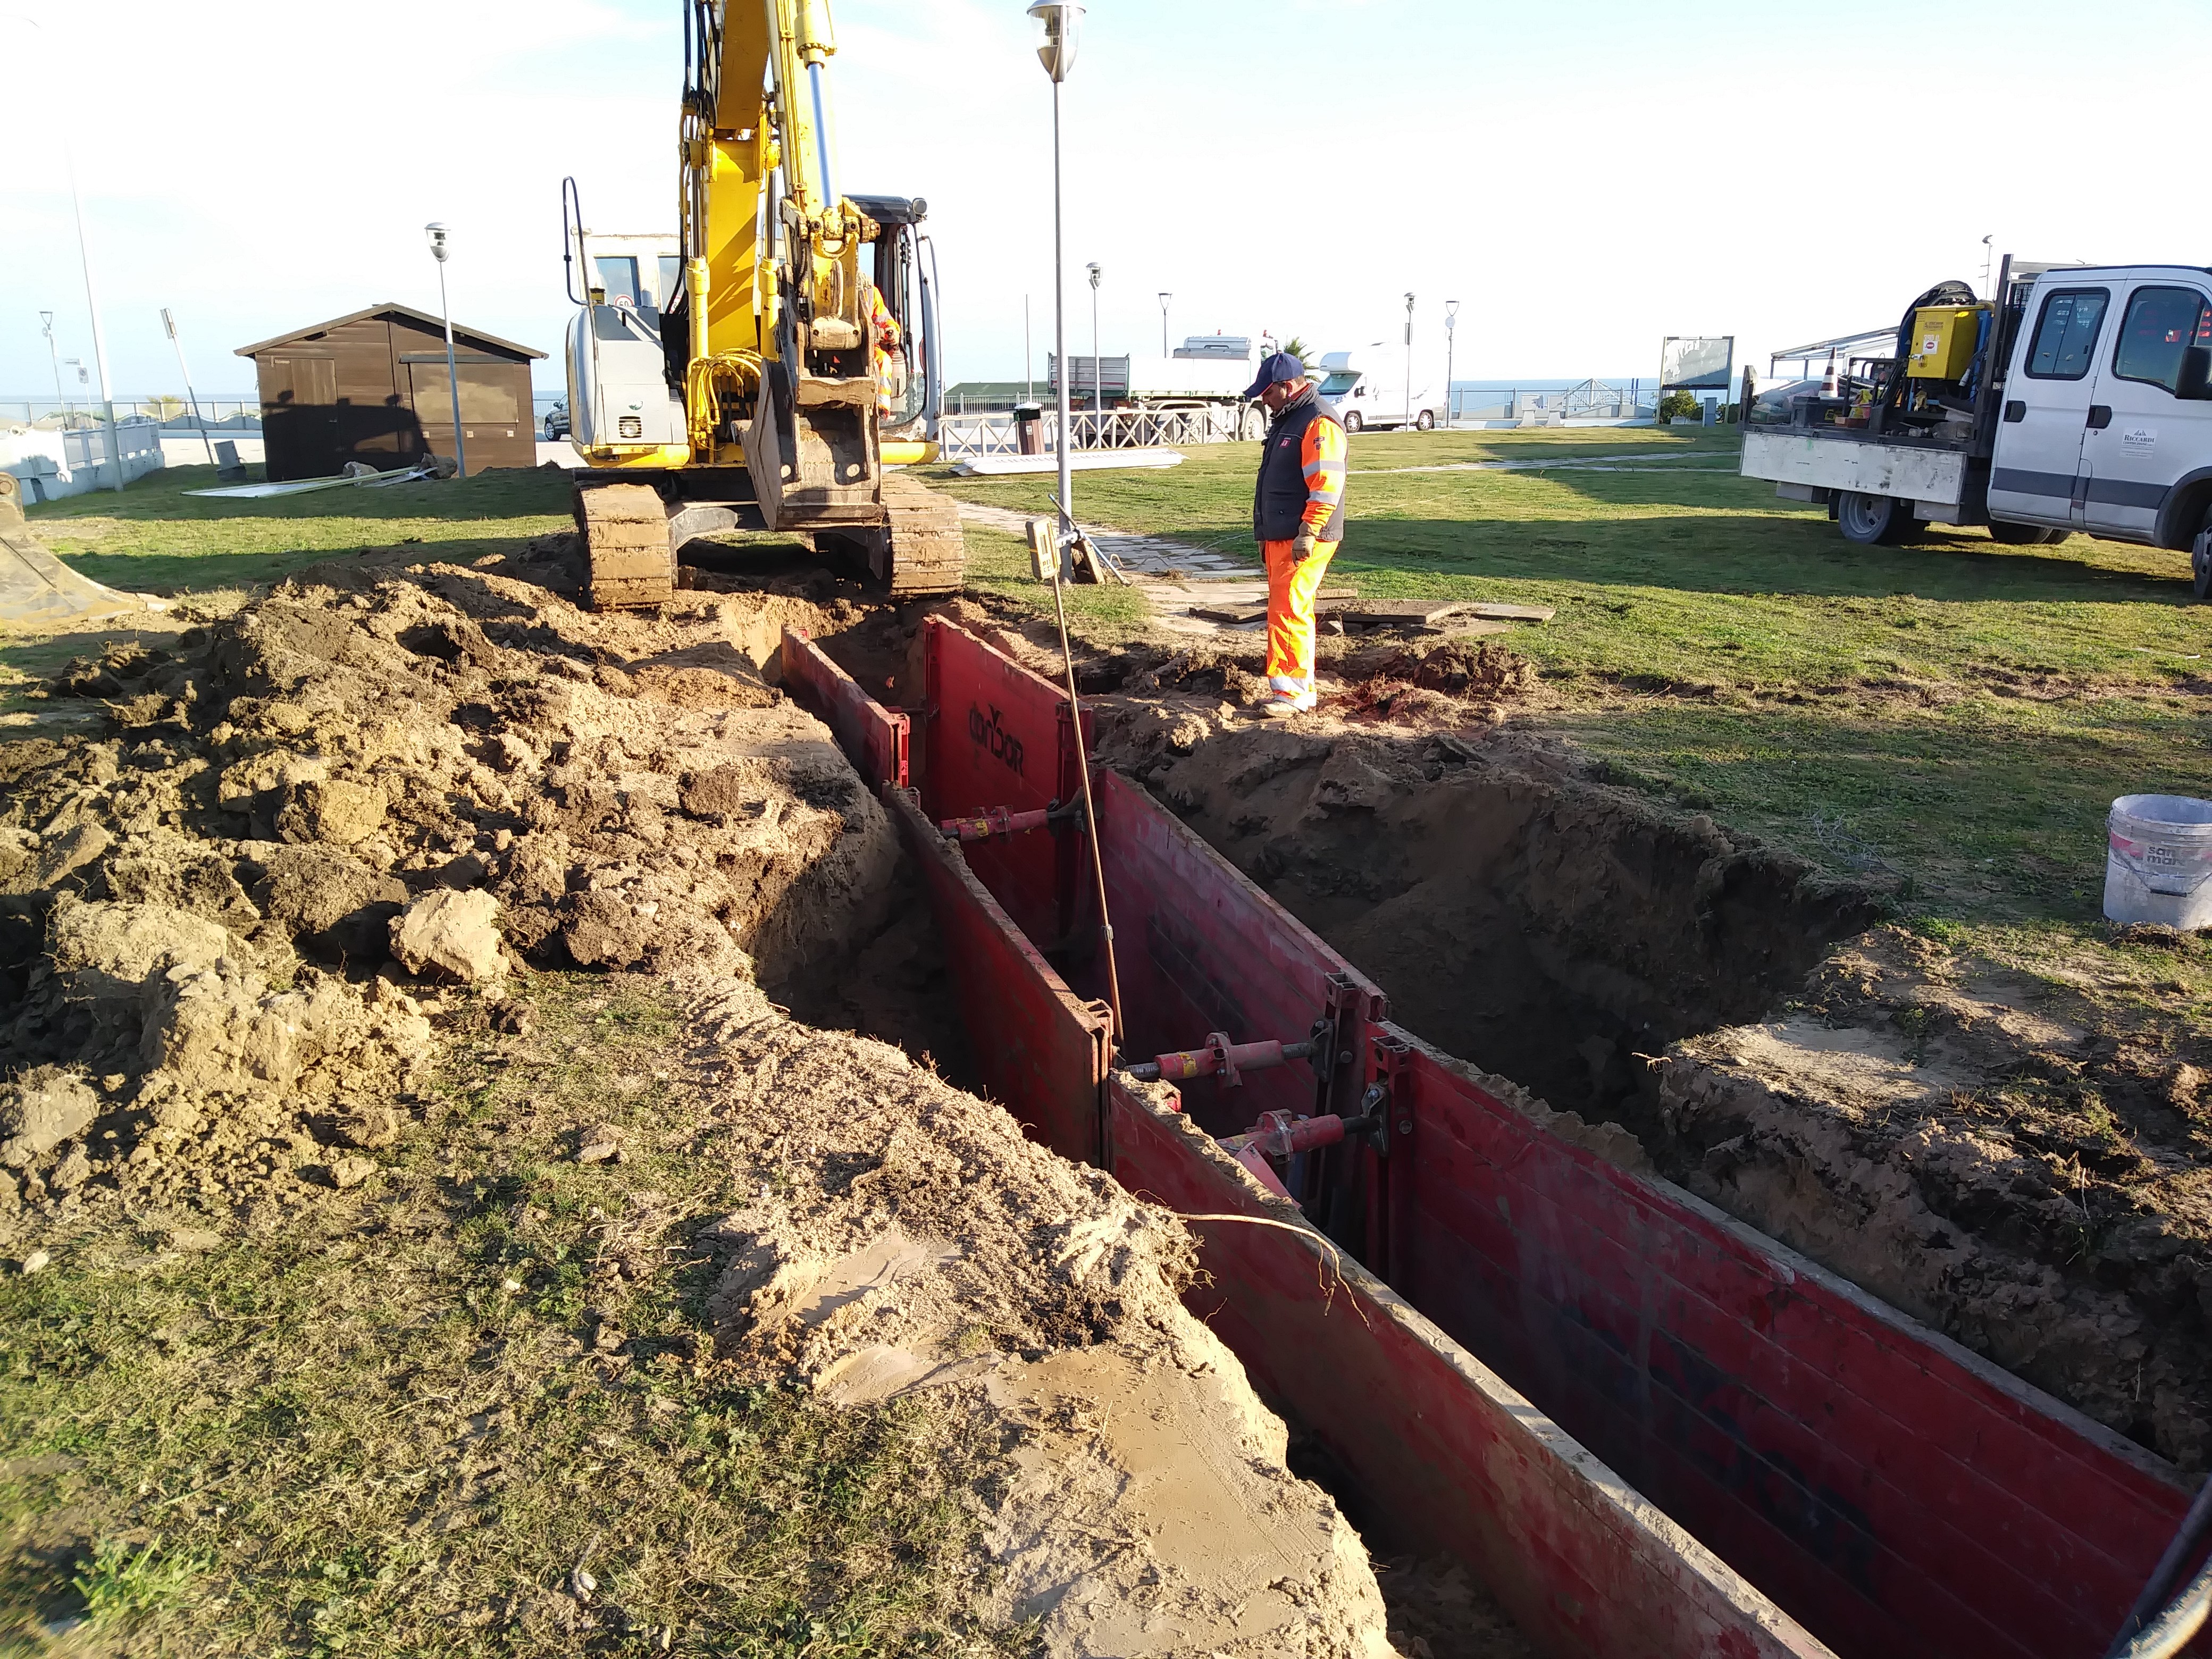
x: 1369, y: 388
x: 2079, y: 399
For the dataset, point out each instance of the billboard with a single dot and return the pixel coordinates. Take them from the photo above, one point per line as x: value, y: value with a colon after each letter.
x: 1693, y: 362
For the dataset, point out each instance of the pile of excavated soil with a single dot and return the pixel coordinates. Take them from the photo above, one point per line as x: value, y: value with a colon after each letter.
x: 385, y: 797
x: 897, y: 1234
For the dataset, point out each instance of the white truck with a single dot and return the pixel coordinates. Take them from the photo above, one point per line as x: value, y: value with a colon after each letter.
x: 2079, y: 399
x: 1369, y: 388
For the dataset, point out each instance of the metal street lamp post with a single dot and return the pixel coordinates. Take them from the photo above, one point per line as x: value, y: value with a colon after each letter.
x: 91, y: 305
x: 1409, y: 360
x: 1164, y: 298
x: 436, y: 233
x: 177, y: 340
x: 1451, y: 325
x: 46, y: 327
x: 1059, y: 23
x: 1097, y: 380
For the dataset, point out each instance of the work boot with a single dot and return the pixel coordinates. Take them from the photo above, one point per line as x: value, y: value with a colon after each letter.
x: 1287, y: 696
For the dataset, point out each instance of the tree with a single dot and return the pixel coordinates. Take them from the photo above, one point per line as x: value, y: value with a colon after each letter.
x: 1299, y: 350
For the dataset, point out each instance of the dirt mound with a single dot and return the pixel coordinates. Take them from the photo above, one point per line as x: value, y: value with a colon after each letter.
x: 904, y: 1236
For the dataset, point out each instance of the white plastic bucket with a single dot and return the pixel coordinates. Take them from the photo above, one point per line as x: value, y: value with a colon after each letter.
x: 2158, y: 865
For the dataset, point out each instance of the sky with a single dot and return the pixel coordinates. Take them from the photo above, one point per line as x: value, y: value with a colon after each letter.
x: 1585, y: 177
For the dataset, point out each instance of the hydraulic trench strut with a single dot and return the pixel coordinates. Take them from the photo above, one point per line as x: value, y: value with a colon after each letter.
x: 998, y: 821
x: 1332, y: 1048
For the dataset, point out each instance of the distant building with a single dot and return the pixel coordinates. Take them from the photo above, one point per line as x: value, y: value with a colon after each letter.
x: 372, y: 386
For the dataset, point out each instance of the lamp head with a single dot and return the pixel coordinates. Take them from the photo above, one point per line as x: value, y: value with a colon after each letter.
x: 46, y: 323
x: 1409, y: 302
x: 436, y: 233
x: 1164, y: 298
x: 1097, y: 270
x: 1060, y: 25
x: 1451, y: 309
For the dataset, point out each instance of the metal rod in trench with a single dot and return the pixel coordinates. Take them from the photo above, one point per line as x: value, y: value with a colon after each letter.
x: 1089, y: 806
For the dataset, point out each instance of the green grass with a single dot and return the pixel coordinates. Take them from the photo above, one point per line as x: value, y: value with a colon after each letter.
x: 376, y: 1428
x: 1952, y: 717
x: 156, y: 538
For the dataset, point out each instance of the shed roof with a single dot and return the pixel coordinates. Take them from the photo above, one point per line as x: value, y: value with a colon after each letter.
x: 476, y: 336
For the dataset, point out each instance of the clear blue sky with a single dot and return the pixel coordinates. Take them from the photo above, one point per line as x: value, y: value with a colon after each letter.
x: 1585, y: 177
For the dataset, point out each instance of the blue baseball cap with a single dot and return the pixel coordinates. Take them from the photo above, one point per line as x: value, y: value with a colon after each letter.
x: 1274, y: 371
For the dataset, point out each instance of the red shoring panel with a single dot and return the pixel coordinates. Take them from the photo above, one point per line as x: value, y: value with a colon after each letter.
x: 1897, y: 1494
x: 1042, y: 1051
x: 997, y: 735
x: 1200, y: 949
x: 1460, y: 1463
x: 873, y: 738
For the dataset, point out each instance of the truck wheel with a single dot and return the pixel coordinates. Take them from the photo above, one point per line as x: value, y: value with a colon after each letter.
x: 1424, y: 422
x: 2026, y: 535
x: 1874, y: 520
x: 1252, y: 425
x: 1351, y: 421
x: 2200, y: 567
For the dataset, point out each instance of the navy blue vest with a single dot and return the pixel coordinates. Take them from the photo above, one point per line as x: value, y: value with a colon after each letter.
x: 1279, y: 495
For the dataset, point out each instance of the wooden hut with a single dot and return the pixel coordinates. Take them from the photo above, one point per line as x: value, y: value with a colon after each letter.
x: 372, y: 386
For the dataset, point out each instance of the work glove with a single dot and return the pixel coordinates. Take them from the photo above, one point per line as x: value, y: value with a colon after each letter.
x: 1302, y: 544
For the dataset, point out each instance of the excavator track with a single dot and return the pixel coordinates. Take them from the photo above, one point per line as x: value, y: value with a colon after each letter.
x: 628, y: 563
x: 927, y: 552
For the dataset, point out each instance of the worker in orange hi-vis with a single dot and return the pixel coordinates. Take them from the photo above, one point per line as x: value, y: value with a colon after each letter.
x: 1297, y: 514
x: 886, y: 357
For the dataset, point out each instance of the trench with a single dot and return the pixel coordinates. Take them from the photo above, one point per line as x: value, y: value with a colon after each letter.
x: 1551, y: 930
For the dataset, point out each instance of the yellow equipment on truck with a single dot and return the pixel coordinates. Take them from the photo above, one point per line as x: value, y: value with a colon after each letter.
x: 785, y: 359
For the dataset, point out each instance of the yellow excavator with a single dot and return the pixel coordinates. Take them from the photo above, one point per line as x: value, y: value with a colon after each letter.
x: 783, y: 360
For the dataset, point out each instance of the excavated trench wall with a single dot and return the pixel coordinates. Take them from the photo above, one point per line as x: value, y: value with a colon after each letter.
x: 1544, y: 926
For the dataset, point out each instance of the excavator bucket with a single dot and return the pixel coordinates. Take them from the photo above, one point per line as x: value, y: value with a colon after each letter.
x: 37, y: 590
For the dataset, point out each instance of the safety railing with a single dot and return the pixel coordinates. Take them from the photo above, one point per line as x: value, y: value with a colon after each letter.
x: 969, y: 437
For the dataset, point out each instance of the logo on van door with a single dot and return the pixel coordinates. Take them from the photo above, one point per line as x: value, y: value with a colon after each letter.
x: 2139, y: 442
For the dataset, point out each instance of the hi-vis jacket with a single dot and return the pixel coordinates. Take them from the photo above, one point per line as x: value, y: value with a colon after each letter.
x: 1301, y: 473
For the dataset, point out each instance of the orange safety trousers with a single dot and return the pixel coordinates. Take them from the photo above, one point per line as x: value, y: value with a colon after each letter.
x: 1292, y: 585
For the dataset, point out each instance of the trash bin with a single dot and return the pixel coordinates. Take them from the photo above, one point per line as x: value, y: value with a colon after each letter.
x: 1029, y: 428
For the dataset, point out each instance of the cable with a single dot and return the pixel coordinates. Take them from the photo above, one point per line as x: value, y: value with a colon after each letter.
x: 2187, y: 1538
x: 2173, y: 1628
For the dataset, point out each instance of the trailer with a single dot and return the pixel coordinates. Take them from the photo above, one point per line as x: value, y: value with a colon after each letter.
x: 2079, y: 399
x: 1206, y: 371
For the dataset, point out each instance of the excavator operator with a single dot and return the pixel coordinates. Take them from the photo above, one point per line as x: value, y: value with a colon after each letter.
x: 1297, y: 516
x: 886, y: 353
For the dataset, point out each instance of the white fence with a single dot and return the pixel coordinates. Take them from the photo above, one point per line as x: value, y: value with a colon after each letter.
x: 55, y: 463
x: 967, y: 437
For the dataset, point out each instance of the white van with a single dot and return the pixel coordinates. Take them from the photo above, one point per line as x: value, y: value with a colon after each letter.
x: 2082, y: 402
x: 1368, y: 390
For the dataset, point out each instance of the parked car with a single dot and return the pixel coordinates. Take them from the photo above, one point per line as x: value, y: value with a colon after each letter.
x: 556, y: 421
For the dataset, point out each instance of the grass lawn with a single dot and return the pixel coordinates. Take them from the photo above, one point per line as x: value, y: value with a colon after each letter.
x: 370, y: 1426
x: 154, y: 538
x: 1952, y: 717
